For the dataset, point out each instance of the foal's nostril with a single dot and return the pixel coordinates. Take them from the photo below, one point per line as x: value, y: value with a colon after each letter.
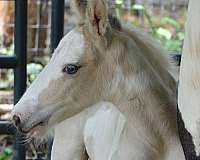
x: 16, y: 120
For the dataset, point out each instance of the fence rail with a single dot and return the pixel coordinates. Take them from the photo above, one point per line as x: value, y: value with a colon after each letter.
x: 18, y: 61
x: 8, y: 62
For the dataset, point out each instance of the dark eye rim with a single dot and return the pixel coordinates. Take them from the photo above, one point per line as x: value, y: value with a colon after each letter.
x: 66, y: 69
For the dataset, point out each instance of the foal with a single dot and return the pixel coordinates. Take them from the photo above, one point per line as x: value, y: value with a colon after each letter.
x: 108, y: 92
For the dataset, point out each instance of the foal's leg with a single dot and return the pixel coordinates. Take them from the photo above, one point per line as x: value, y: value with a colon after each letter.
x: 68, y: 141
x: 102, y: 133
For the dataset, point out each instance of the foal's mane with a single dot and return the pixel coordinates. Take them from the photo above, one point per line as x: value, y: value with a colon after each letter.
x: 150, y: 50
x: 144, y: 41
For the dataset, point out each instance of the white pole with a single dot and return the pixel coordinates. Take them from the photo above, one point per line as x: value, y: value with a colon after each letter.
x: 189, y: 86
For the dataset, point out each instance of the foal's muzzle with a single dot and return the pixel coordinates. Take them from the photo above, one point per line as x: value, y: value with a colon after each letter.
x: 17, y: 122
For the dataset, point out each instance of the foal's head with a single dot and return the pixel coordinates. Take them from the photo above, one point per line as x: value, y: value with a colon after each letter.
x: 97, y: 61
x: 78, y: 75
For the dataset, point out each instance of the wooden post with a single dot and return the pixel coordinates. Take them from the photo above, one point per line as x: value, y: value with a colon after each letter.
x: 189, y: 86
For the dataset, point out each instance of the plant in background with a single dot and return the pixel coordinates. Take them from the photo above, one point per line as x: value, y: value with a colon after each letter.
x: 166, y: 30
x: 169, y: 34
x: 33, y: 69
x: 6, y: 154
x: 7, y: 50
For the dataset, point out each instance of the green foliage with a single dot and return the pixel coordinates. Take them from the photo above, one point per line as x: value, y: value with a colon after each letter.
x: 169, y: 34
x: 165, y: 33
x: 170, y: 21
x: 7, y: 51
x: 33, y: 70
x: 166, y: 30
x: 119, y: 2
x: 6, y: 154
x: 138, y: 7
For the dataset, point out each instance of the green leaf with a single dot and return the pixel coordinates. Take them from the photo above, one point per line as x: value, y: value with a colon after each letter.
x: 34, y: 68
x: 164, y: 33
x: 138, y: 7
x: 171, y: 21
x: 119, y: 2
x: 173, y: 45
x: 7, y: 50
x: 8, y: 151
x: 33, y: 71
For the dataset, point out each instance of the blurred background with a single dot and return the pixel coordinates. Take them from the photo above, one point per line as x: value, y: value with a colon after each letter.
x: 162, y: 19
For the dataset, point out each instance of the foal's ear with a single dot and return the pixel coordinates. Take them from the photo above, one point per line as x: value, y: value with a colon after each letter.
x: 94, y: 15
x: 97, y: 16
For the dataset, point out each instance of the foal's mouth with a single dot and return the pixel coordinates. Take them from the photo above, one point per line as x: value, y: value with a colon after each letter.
x: 28, y: 134
x: 34, y: 127
x: 31, y: 127
x: 36, y: 122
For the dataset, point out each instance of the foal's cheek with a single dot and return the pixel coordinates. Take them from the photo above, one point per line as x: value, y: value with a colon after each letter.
x: 55, y: 91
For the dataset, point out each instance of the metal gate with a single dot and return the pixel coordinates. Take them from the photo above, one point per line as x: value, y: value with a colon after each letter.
x: 18, y: 61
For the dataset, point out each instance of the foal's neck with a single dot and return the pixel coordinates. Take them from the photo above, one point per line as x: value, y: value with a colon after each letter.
x: 150, y: 109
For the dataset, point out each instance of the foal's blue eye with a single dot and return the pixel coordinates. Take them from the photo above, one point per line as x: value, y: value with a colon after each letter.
x: 71, y: 69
